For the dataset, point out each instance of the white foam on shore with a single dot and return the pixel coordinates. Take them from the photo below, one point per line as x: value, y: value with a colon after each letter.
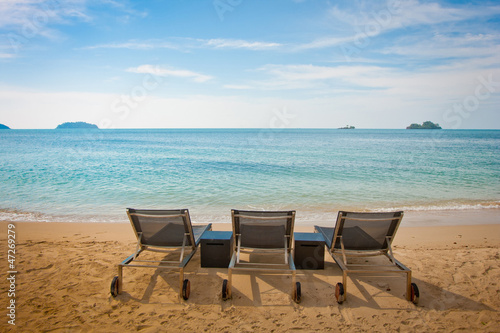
x: 19, y: 216
x: 425, y: 208
x: 13, y: 216
x: 454, y: 214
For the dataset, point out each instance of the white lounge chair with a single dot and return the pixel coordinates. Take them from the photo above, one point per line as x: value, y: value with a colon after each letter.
x: 162, y: 231
x: 269, y: 232
x: 365, y: 235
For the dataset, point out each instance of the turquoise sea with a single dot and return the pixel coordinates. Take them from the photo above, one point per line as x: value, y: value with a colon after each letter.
x: 93, y: 175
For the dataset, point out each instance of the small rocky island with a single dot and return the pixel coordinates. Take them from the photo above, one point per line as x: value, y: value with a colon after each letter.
x: 76, y: 125
x: 425, y: 125
x: 347, y: 127
x: 2, y: 126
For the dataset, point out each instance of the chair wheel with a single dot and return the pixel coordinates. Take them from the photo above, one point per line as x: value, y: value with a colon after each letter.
x: 339, y: 293
x: 186, y: 289
x: 297, y: 293
x: 415, y: 294
x: 114, y: 287
x: 225, y: 291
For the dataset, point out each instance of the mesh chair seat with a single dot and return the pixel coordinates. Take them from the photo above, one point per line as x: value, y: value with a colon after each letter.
x: 364, y: 235
x: 258, y: 231
x: 167, y: 231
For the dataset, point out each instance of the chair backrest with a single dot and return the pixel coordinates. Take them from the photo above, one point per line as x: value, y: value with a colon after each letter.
x: 263, y: 229
x: 162, y: 227
x: 366, y: 231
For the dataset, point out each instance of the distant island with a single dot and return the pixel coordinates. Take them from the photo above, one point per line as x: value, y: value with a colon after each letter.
x: 78, y: 124
x: 2, y: 126
x: 425, y: 125
x: 347, y: 127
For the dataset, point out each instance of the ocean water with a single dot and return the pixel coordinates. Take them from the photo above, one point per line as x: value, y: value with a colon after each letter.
x: 93, y: 175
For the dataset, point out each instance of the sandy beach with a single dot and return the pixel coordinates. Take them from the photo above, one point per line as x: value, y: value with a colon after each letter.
x: 64, y: 271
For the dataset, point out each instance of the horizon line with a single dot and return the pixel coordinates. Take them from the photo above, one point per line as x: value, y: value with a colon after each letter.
x: 250, y: 128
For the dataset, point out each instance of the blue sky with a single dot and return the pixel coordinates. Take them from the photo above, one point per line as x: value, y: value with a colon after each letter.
x: 249, y: 63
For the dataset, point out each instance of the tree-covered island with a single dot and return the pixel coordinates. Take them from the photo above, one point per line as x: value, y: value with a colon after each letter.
x: 78, y: 124
x: 425, y: 125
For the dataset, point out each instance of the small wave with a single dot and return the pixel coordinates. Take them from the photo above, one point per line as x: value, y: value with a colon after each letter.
x: 23, y: 216
x: 17, y: 216
x: 444, y: 207
x: 305, y: 215
x: 10, y: 215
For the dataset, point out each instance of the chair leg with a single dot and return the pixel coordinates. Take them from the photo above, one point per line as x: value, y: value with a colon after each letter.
x: 120, y: 279
x: 229, y: 282
x: 344, y: 282
x: 230, y: 275
x: 408, y: 286
x: 181, y: 281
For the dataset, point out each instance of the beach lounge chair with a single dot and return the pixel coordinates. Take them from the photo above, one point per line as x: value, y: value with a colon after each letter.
x: 263, y: 233
x: 365, y: 235
x: 166, y: 231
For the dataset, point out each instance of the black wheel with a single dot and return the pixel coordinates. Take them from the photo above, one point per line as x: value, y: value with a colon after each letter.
x: 339, y: 293
x: 225, y: 291
x: 297, y: 293
x: 114, y: 287
x: 415, y: 294
x: 186, y: 289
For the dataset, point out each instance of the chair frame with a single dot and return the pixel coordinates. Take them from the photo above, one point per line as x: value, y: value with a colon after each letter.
x: 184, y: 257
x: 341, y: 255
x: 288, y: 265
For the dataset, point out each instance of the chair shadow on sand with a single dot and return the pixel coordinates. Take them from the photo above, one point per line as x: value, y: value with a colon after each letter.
x: 160, y: 286
x: 274, y: 290
x: 380, y: 292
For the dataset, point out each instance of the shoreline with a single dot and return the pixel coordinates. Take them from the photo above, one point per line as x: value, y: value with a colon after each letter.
x: 411, y: 218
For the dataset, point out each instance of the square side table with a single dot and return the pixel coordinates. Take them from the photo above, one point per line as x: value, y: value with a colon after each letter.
x: 309, y: 250
x: 216, y: 248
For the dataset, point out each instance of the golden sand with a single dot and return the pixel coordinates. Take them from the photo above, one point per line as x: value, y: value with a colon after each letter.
x: 64, y: 272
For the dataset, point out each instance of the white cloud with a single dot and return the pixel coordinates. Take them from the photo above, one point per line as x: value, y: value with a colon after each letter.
x: 238, y: 86
x: 373, y: 19
x: 190, y: 44
x: 479, y: 46
x: 238, y: 44
x: 37, y: 14
x: 164, y: 72
x: 123, y: 7
x: 136, y: 45
x: 404, y: 14
x: 312, y: 79
x: 326, y: 42
x: 6, y: 55
x: 312, y: 72
x: 27, y: 19
x: 366, y: 88
x: 413, y: 12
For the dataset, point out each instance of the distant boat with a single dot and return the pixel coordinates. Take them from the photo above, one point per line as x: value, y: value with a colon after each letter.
x: 347, y: 127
